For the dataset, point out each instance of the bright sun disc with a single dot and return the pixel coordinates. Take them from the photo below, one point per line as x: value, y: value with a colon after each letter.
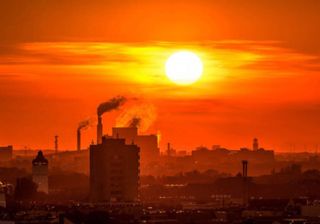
x: 184, y: 67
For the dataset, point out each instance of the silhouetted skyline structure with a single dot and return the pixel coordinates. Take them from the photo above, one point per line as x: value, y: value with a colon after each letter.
x: 82, y: 125
x: 6, y: 153
x: 245, y: 182
x: 40, y: 172
x: 114, y: 171
x: 148, y: 144
x: 255, y: 145
x: 56, y: 143
x: 104, y: 107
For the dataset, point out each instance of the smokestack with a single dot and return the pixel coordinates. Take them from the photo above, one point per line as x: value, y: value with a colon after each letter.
x: 56, y: 143
x: 99, y: 130
x: 255, y: 145
x: 110, y: 105
x: 78, y: 139
x: 82, y: 125
x: 245, y: 182
x: 245, y: 168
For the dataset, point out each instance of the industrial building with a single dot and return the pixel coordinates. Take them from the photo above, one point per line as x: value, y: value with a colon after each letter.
x: 114, y: 171
x: 6, y: 153
x: 40, y: 172
x: 148, y: 144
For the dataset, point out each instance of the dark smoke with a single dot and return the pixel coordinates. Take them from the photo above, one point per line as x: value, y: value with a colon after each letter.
x: 135, y: 122
x: 83, y: 124
x: 112, y: 104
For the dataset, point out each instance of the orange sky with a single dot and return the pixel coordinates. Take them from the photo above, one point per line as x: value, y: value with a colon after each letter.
x: 58, y: 61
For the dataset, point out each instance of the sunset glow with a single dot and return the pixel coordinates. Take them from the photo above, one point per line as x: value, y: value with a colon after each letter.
x: 228, y: 92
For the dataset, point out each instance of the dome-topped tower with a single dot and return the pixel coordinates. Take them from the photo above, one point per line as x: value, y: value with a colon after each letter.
x: 40, y: 159
x: 40, y: 172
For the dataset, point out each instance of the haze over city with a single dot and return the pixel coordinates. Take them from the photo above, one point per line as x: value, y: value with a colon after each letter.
x: 260, y: 70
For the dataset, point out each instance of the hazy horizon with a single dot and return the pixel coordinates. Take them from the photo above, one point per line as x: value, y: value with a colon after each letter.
x: 58, y: 62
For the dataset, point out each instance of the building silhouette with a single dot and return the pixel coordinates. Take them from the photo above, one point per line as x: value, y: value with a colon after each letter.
x: 6, y: 153
x: 114, y: 171
x: 148, y: 144
x: 79, y: 139
x: 40, y: 172
x: 245, y: 193
x: 56, y: 143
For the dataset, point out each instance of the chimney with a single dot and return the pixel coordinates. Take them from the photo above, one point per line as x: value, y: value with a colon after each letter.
x: 56, y: 143
x: 255, y: 145
x: 79, y: 139
x: 245, y: 182
x: 168, y: 149
x: 104, y: 107
x: 245, y: 168
x: 99, y: 130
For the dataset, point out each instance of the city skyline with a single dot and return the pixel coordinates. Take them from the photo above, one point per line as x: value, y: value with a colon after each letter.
x: 260, y: 76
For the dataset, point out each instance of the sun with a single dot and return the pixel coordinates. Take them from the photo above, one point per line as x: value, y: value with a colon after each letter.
x: 184, y: 68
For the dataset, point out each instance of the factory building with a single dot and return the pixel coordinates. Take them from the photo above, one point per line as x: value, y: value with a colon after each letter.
x: 127, y: 133
x: 40, y: 172
x: 6, y: 153
x: 114, y: 171
x: 148, y: 144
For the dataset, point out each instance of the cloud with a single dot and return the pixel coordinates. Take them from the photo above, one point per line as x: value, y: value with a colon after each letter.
x: 256, y: 68
x: 245, y: 54
x: 63, y: 53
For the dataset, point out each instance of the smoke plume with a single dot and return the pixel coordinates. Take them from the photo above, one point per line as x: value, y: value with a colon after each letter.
x: 83, y: 124
x: 135, y: 122
x: 112, y: 104
x: 141, y: 115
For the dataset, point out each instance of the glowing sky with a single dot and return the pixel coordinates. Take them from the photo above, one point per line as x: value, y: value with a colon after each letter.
x: 58, y: 61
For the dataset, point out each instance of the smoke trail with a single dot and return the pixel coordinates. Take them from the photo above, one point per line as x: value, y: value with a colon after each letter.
x: 135, y: 122
x: 140, y: 115
x: 112, y: 104
x: 83, y: 124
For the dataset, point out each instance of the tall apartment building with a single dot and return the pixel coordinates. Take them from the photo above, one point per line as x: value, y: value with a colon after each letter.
x: 114, y: 171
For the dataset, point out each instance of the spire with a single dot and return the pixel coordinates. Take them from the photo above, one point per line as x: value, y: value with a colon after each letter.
x: 40, y: 159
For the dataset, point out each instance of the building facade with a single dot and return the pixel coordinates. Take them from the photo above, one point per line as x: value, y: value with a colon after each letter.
x: 114, y: 171
x: 148, y: 144
x: 6, y: 153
